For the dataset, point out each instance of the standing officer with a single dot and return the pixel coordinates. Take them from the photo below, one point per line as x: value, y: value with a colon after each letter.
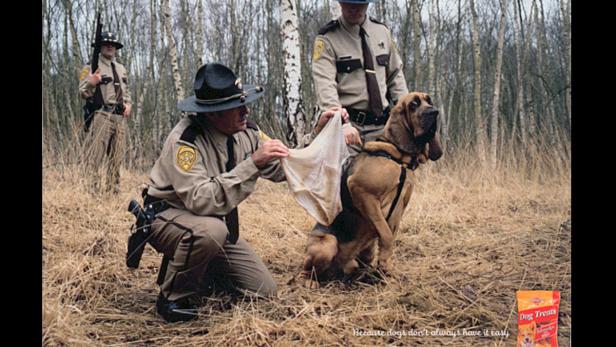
x: 106, y: 139
x: 209, y: 163
x: 356, y: 65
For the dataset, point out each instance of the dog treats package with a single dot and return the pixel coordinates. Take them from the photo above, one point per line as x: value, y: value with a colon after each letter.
x: 538, y: 318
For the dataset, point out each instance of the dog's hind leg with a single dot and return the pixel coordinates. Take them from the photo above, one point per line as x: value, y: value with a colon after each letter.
x: 366, y: 255
x: 321, y: 250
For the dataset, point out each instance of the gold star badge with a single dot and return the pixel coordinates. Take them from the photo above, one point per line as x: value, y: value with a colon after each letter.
x: 318, y: 49
x: 186, y: 158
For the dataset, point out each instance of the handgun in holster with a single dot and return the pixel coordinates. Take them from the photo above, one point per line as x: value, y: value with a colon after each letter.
x: 140, y: 233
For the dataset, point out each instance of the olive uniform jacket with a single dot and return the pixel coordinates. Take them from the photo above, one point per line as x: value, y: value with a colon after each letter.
x: 190, y: 172
x: 107, y: 83
x: 337, y: 65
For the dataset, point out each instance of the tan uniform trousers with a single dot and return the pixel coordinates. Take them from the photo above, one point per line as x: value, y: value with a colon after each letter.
x: 105, y: 150
x: 199, y: 252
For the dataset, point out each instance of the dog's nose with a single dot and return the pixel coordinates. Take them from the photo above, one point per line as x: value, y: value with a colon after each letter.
x: 431, y: 113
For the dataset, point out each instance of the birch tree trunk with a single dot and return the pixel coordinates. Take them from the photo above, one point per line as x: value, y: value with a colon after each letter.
x: 334, y: 9
x: 296, y: 118
x: 458, y: 66
x: 167, y: 19
x: 497, y: 83
x: 416, y: 44
x: 200, y: 38
x: 479, y: 126
x: 431, y: 48
x: 518, y: 37
x: 565, y: 9
x: 528, y: 78
x: 77, y: 59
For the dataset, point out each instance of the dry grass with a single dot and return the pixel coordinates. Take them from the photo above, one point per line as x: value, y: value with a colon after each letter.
x: 470, y: 238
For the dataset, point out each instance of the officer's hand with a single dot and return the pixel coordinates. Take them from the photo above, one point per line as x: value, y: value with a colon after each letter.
x: 269, y: 151
x: 351, y: 135
x: 95, y: 78
x: 127, y: 109
x: 327, y: 115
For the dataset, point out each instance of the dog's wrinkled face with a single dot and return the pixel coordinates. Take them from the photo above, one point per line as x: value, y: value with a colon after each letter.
x: 421, y: 118
x: 421, y: 115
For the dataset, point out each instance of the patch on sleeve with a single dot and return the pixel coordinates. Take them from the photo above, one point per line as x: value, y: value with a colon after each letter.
x: 263, y: 136
x: 186, y: 158
x: 318, y: 49
x: 84, y: 72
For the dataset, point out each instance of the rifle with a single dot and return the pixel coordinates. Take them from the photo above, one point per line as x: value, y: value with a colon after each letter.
x: 95, y: 102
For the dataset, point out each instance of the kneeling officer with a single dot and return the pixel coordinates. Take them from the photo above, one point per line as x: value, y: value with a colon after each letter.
x: 209, y: 163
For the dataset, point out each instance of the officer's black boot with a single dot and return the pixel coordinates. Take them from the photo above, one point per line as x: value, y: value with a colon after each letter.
x: 175, y: 311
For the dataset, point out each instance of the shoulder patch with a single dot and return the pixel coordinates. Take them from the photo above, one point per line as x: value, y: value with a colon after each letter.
x: 190, y: 133
x: 84, y: 72
x: 186, y: 157
x: 329, y: 26
x: 319, y: 45
x: 377, y: 22
x: 263, y: 136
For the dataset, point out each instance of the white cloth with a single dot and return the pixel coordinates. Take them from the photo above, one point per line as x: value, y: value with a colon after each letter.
x: 313, y: 173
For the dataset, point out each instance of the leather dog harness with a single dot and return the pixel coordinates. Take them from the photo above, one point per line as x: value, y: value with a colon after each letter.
x: 401, y: 179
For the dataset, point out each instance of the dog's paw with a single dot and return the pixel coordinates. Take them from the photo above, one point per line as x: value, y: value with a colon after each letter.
x: 385, y: 266
x: 350, y: 267
x: 308, y: 279
x: 311, y: 284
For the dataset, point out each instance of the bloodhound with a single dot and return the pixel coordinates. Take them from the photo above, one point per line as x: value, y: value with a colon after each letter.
x: 378, y: 188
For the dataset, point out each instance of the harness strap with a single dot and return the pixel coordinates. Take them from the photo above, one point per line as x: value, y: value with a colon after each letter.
x: 398, y: 192
x: 400, y: 180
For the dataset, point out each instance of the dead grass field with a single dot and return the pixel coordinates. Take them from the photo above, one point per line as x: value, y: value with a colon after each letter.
x: 469, y: 239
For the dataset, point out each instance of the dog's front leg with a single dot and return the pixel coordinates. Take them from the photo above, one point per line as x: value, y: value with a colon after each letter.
x: 386, y: 250
x: 370, y: 207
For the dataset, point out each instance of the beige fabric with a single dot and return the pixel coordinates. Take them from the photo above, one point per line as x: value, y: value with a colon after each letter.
x: 348, y: 89
x: 107, y: 90
x: 105, y: 146
x: 205, y: 188
x: 314, y: 172
x: 199, y: 254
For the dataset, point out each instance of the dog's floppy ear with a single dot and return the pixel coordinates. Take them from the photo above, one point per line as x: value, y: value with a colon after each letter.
x: 435, y: 150
x: 398, y: 129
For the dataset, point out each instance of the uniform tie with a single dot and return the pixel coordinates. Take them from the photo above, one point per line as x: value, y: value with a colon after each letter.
x: 232, y: 218
x: 117, y: 86
x: 374, y: 95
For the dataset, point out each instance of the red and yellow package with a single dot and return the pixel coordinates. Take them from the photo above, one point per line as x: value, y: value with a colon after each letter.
x: 538, y: 318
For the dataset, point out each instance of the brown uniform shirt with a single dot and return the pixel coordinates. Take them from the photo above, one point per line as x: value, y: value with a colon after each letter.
x: 107, y: 88
x: 337, y: 65
x: 191, y: 175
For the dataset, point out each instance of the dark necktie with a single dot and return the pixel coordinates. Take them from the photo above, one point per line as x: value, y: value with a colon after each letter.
x: 374, y: 95
x: 232, y: 218
x: 117, y: 86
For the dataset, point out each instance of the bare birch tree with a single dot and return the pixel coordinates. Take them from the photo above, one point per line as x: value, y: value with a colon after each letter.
x: 416, y: 44
x: 294, y: 113
x: 497, y: 84
x: 334, y: 9
x: 479, y: 126
x: 167, y: 20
